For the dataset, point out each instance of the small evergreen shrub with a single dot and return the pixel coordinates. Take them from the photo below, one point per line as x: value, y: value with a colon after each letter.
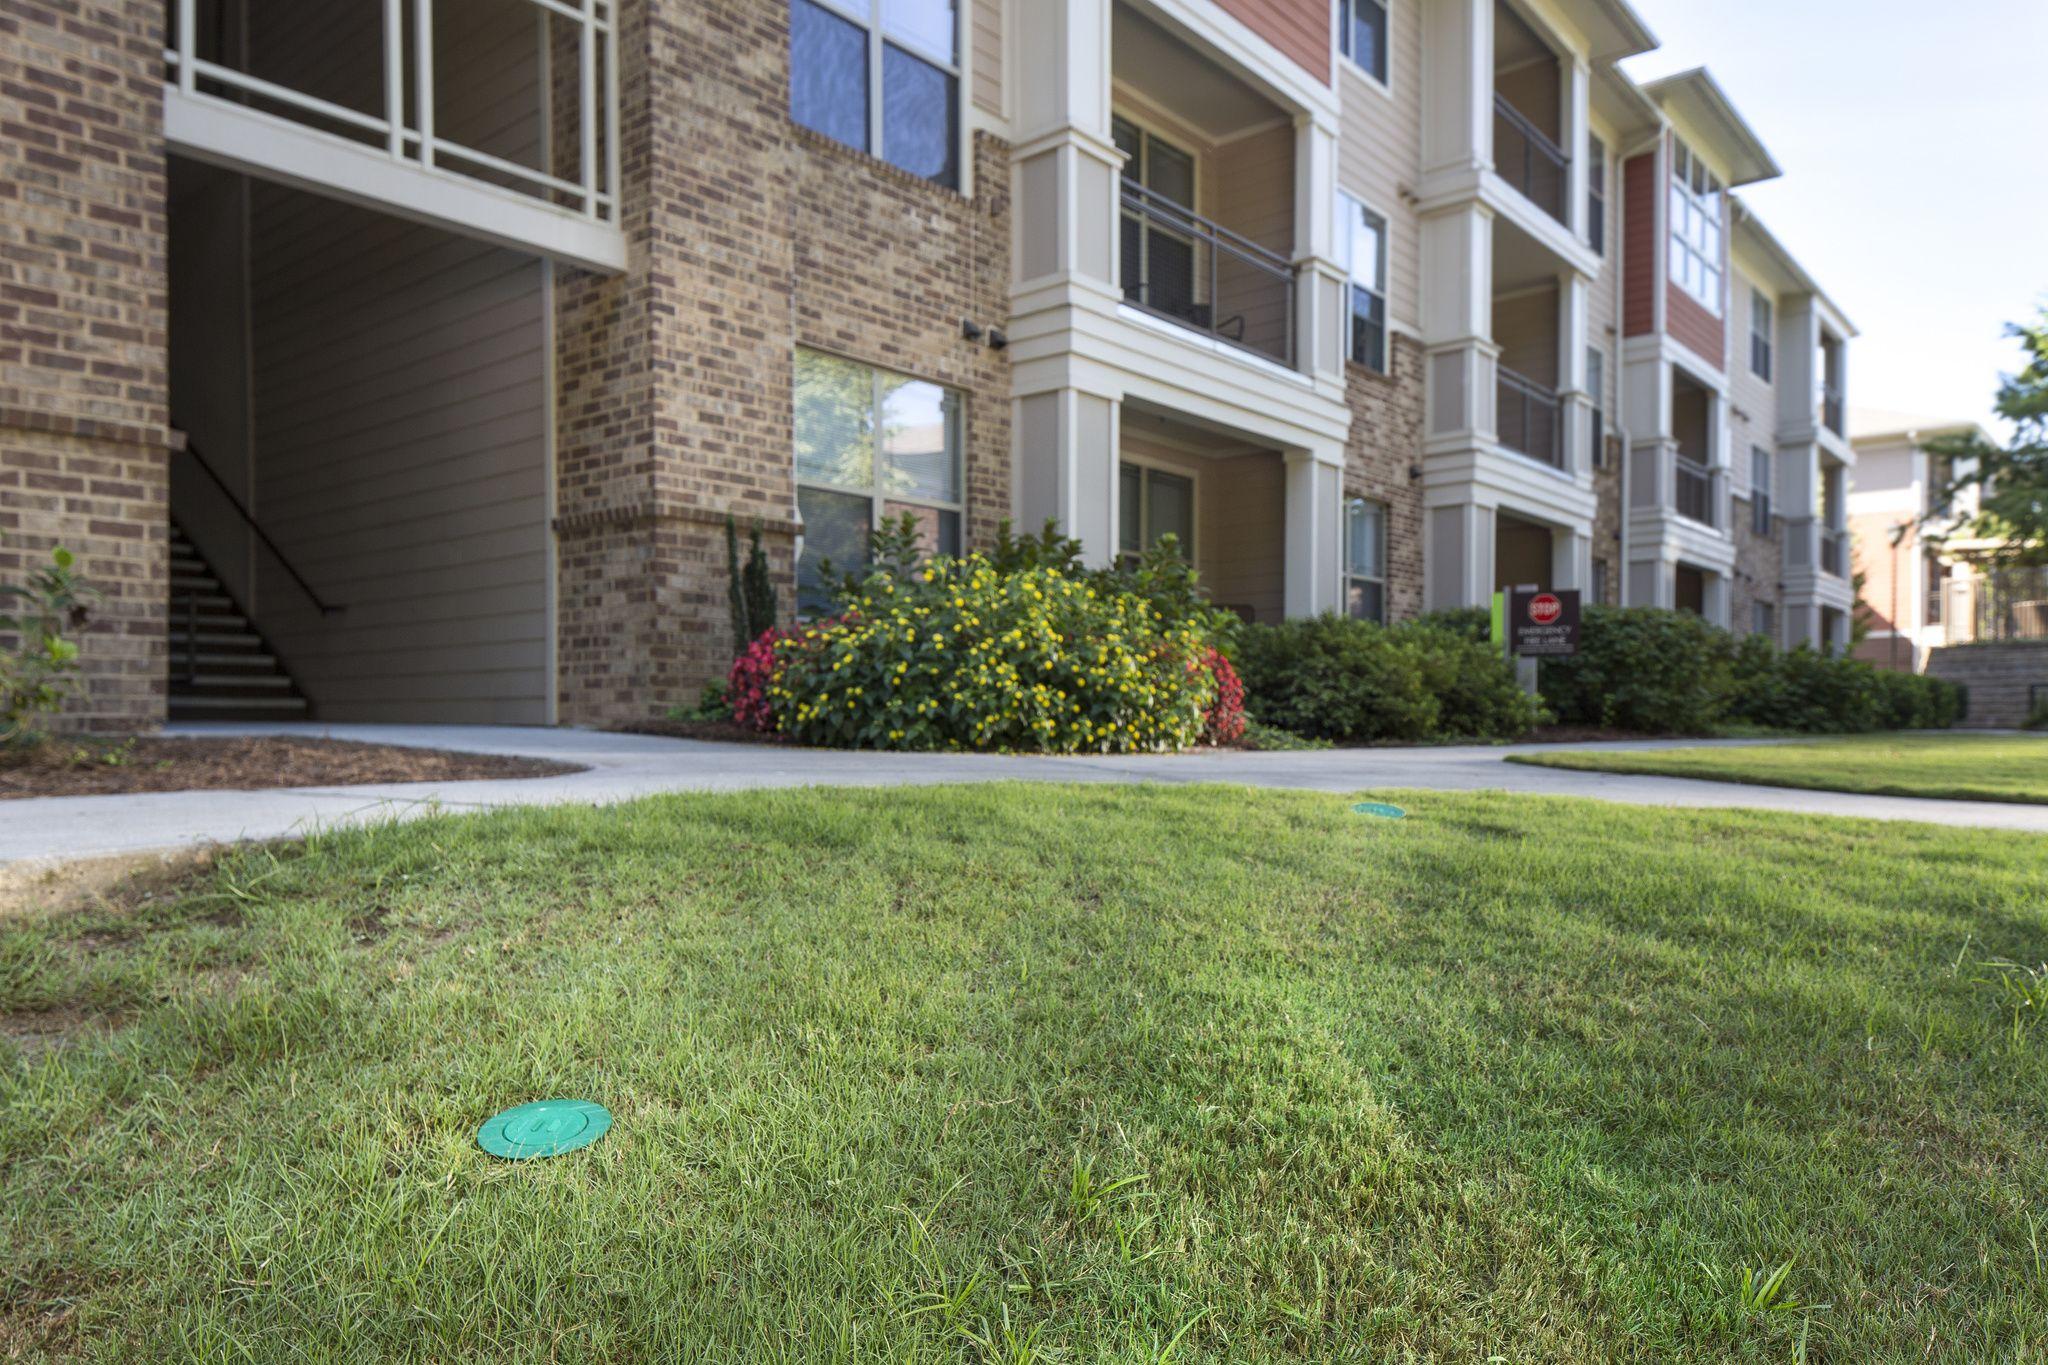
x: 41, y: 668
x: 1642, y: 668
x: 1475, y: 687
x: 1801, y: 689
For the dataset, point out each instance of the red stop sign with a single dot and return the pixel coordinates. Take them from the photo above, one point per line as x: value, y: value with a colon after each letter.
x: 1544, y: 608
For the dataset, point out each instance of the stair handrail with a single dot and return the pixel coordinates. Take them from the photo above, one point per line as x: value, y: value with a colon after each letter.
x: 326, y: 608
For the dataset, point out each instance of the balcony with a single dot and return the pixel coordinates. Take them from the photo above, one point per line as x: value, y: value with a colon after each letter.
x: 1197, y: 273
x: 1831, y: 411
x: 1693, y: 490
x: 1526, y: 157
x: 1834, y: 553
x: 1527, y: 417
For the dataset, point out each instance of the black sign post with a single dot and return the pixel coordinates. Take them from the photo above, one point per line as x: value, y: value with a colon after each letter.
x: 1543, y: 623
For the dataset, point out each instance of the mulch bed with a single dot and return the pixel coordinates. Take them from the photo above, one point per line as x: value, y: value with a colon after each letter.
x: 723, y: 730
x: 100, y: 767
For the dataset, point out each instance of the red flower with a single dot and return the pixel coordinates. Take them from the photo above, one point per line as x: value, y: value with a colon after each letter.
x: 747, y: 683
x: 1225, y: 721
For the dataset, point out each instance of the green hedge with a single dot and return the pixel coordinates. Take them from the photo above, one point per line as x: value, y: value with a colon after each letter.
x: 1642, y: 668
x: 1799, y: 689
x: 1330, y: 677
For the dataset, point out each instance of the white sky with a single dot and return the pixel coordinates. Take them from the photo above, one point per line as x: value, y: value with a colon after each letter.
x: 1915, y: 189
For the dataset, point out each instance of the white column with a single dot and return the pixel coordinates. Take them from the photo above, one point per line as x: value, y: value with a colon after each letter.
x: 1577, y: 85
x: 1457, y: 323
x: 1457, y: 85
x: 1320, y: 306
x: 1064, y: 165
x: 1313, y: 501
x: 1571, y: 560
x: 1066, y: 443
x: 1574, y: 295
x: 1458, y: 564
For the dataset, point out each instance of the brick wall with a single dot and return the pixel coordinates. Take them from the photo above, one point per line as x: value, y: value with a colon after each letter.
x: 1759, y: 569
x: 1607, y: 519
x: 1385, y: 440
x: 747, y: 236
x: 83, y: 299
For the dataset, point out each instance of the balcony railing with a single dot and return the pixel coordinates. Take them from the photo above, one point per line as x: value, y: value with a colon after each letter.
x: 1200, y: 274
x: 1525, y: 157
x: 1831, y: 411
x: 1527, y: 417
x: 2004, y: 604
x: 1694, y: 491
x: 1834, y: 553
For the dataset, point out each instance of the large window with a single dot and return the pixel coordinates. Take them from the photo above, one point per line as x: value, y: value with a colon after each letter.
x: 1157, y: 261
x: 1596, y: 194
x: 869, y: 445
x: 1365, y: 559
x: 1760, y: 490
x: 1152, y: 503
x: 1362, y: 245
x: 1760, y: 334
x: 1695, y: 228
x: 841, y: 52
x: 1362, y: 35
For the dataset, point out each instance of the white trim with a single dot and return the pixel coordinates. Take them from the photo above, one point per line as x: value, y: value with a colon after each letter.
x: 872, y: 25
x: 213, y: 130
x: 1379, y: 85
x: 1342, y: 249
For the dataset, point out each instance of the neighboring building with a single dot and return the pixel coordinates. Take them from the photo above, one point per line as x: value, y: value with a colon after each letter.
x: 409, y: 388
x: 1919, y: 595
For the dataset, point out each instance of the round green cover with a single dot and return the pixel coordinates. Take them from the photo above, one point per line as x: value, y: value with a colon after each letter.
x: 543, y: 1128
x: 1379, y: 808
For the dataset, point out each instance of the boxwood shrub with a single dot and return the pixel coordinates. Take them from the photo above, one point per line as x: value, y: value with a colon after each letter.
x: 1799, y: 689
x: 1642, y: 668
x: 1334, y: 678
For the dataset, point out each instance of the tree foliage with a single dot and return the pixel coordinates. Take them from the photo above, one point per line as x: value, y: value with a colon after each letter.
x: 2012, y: 479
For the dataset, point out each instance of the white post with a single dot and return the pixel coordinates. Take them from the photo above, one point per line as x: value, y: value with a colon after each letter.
x: 611, y: 110
x: 394, y: 75
x: 188, y: 45
x: 587, y: 80
x: 423, y: 76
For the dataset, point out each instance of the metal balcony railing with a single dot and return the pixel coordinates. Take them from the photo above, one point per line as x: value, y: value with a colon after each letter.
x: 1693, y: 491
x: 1834, y: 553
x: 1527, y: 417
x: 1200, y: 274
x: 1831, y: 406
x: 1525, y: 157
x: 2011, y: 604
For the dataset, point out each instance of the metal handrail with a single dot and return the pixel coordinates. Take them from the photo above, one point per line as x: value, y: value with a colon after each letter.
x: 1150, y: 206
x: 1536, y: 145
x: 1530, y: 398
x: 1831, y: 410
x: 1695, y: 490
x: 326, y: 608
x: 1834, y: 546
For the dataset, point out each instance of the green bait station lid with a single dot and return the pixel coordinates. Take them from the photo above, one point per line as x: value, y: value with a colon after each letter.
x: 1379, y: 808
x: 543, y: 1128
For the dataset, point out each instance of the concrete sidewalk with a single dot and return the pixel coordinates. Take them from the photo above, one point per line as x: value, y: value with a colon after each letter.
x: 621, y: 767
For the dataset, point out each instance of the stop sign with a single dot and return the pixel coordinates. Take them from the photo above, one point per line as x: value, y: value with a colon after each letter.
x: 1544, y: 608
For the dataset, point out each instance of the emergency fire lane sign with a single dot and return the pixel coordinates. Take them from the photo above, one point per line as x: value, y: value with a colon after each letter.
x: 1543, y: 622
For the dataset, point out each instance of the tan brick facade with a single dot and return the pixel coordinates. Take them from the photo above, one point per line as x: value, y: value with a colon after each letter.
x: 83, y: 329
x: 1384, y: 444
x: 748, y: 236
x: 1759, y: 570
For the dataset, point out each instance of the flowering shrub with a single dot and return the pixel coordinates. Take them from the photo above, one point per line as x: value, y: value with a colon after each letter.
x: 958, y: 654
x: 748, y: 680
x: 1225, y: 722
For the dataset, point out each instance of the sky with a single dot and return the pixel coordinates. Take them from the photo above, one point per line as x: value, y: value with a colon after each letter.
x: 1916, y: 171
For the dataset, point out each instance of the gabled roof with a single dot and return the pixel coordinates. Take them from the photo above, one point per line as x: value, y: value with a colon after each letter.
x: 1615, y: 30
x: 1696, y: 98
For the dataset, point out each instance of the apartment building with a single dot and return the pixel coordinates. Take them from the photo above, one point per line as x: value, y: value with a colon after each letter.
x: 403, y: 359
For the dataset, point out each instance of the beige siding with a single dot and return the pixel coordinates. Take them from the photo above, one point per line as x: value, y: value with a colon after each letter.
x: 1752, y: 403
x: 1525, y: 328
x: 1240, y: 523
x: 985, y: 55
x: 401, y: 429
x: 1251, y: 191
x: 1379, y: 154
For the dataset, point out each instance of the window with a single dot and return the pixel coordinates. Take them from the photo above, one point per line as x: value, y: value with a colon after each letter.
x: 1362, y: 245
x: 870, y: 445
x: 1600, y: 573
x: 1365, y: 560
x: 1596, y: 389
x: 1760, y: 490
x: 1596, y: 194
x: 1158, y: 263
x: 1362, y: 35
x: 1695, y: 228
x: 1760, y: 335
x: 842, y: 51
x: 1763, y: 620
x: 1151, y: 503
x: 1937, y: 585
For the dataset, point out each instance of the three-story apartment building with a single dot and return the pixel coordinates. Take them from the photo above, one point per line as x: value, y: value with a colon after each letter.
x: 403, y: 359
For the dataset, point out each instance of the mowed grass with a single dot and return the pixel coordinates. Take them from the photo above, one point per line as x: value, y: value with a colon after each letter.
x: 1015, y: 1073
x: 1953, y: 767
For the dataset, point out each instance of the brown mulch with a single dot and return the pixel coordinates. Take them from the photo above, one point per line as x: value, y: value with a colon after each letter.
x: 100, y: 767
x: 722, y: 730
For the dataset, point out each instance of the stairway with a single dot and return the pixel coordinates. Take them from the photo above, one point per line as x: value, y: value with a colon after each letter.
x: 220, y: 667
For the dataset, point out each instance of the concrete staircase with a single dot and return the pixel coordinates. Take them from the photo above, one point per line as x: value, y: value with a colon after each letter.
x: 2002, y: 679
x: 221, y: 667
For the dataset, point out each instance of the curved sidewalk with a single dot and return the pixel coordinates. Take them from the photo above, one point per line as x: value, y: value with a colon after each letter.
x: 621, y: 767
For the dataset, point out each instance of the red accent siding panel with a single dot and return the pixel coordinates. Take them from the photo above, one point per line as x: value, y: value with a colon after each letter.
x: 1639, y: 260
x: 1692, y: 325
x: 1299, y: 28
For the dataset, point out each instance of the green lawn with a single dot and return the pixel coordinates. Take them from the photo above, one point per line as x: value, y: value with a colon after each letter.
x: 1956, y: 767
x: 1057, y: 1074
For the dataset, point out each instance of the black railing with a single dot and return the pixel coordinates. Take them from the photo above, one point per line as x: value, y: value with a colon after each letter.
x: 1205, y: 277
x: 2012, y: 604
x: 1525, y: 157
x: 1834, y: 553
x: 1831, y: 411
x: 1694, y: 491
x: 1526, y: 417
x: 325, y: 607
